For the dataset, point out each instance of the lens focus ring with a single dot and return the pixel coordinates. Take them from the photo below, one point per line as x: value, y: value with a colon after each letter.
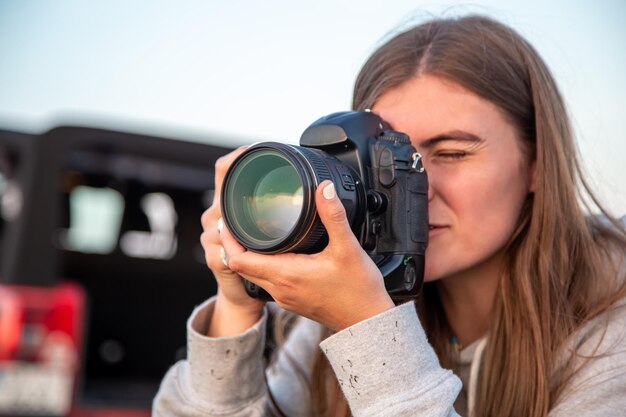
x: 316, y: 237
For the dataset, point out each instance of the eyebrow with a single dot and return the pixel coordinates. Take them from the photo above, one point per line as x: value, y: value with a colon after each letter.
x: 455, y: 135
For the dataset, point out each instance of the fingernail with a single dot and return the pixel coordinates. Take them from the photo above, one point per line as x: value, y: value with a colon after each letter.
x: 220, y: 225
x: 329, y: 191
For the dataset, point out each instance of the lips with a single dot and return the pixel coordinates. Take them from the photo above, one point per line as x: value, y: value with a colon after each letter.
x: 434, y: 229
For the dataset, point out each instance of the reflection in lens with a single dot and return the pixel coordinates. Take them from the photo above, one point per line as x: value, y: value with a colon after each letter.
x: 265, y: 198
x: 276, y: 202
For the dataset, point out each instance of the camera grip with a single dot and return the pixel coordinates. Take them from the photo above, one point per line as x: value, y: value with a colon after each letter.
x: 417, y: 218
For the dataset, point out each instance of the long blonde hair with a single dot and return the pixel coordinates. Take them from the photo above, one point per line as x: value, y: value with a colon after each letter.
x: 560, y: 269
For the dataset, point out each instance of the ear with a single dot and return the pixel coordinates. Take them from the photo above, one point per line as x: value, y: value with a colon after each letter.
x: 532, y: 170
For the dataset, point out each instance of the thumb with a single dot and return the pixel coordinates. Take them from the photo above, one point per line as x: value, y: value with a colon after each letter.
x: 333, y: 215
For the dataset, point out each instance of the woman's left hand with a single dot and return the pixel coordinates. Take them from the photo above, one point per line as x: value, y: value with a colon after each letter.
x: 337, y: 287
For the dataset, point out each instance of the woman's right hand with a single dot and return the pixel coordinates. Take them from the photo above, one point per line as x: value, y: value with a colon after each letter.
x: 235, y: 311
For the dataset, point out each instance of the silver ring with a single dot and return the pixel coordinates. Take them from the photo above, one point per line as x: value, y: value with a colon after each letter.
x: 223, y: 256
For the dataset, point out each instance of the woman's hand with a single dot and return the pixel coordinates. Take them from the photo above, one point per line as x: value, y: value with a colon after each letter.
x: 234, y: 310
x: 337, y: 287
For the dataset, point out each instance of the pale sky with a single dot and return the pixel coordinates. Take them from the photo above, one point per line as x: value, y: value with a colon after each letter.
x: 244, y: 71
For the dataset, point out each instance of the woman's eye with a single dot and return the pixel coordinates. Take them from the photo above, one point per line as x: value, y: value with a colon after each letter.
x: 452, y: 155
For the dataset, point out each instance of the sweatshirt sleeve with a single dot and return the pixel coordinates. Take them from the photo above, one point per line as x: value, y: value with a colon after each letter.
x: 386, y: 367
x: 223, y: 376
x: 598, y: 388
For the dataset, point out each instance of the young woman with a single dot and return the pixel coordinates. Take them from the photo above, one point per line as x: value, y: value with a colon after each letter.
x: 524, y: 293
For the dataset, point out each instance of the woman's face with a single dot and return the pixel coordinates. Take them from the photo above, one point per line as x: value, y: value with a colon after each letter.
x: 478, y: 176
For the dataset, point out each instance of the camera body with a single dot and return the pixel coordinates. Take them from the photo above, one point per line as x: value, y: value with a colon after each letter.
x: 380, y: 180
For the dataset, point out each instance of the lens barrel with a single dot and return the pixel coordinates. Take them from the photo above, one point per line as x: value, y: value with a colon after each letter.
x: 268, y: 197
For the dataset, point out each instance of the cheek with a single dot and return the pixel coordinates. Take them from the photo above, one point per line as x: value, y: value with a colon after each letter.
x: 490, y: 201
x: 493, y: 201
x: 483, y: 208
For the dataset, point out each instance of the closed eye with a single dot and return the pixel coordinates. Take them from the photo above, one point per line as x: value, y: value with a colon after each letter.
x: 451, y: 155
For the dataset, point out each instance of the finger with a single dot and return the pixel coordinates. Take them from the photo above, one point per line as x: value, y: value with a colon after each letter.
x: 213, y: 249
x: 214, y: 260
x: 333, y: 215
x: 221, y: 167
x: 261, y: 267
x: 208, y: 218
x: 261, y: 282
x: 230, y: 244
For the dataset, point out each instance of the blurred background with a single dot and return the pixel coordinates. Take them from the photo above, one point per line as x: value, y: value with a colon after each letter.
x: 250, y: 71
x: 112, y: 115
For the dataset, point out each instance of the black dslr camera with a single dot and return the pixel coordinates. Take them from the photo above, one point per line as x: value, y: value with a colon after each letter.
x: 268, y: 196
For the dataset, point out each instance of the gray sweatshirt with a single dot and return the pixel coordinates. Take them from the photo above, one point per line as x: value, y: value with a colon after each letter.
x: 384, y: 366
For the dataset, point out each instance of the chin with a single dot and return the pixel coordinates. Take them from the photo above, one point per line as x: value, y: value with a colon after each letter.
x: 431, y: 275
x: 436, y: 272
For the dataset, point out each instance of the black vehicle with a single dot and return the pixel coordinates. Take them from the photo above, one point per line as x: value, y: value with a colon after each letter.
x: 100, y: 266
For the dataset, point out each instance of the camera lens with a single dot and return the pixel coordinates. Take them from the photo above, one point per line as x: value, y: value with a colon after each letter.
x: 268, y: 198
x: 265, y: 197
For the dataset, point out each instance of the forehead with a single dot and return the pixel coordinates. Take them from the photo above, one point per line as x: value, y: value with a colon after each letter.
x: 426, y: 106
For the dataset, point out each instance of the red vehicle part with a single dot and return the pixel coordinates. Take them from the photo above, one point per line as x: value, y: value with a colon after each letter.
x: 40, y: 339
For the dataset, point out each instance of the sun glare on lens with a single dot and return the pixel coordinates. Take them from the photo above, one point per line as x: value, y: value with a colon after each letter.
x: 276, y: 202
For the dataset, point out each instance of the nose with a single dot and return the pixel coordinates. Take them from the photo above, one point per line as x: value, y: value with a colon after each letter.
x: 431, y: 191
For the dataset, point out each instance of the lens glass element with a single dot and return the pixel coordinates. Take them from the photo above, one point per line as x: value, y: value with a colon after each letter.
x: 276, y: 202
x: 264, y: 197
